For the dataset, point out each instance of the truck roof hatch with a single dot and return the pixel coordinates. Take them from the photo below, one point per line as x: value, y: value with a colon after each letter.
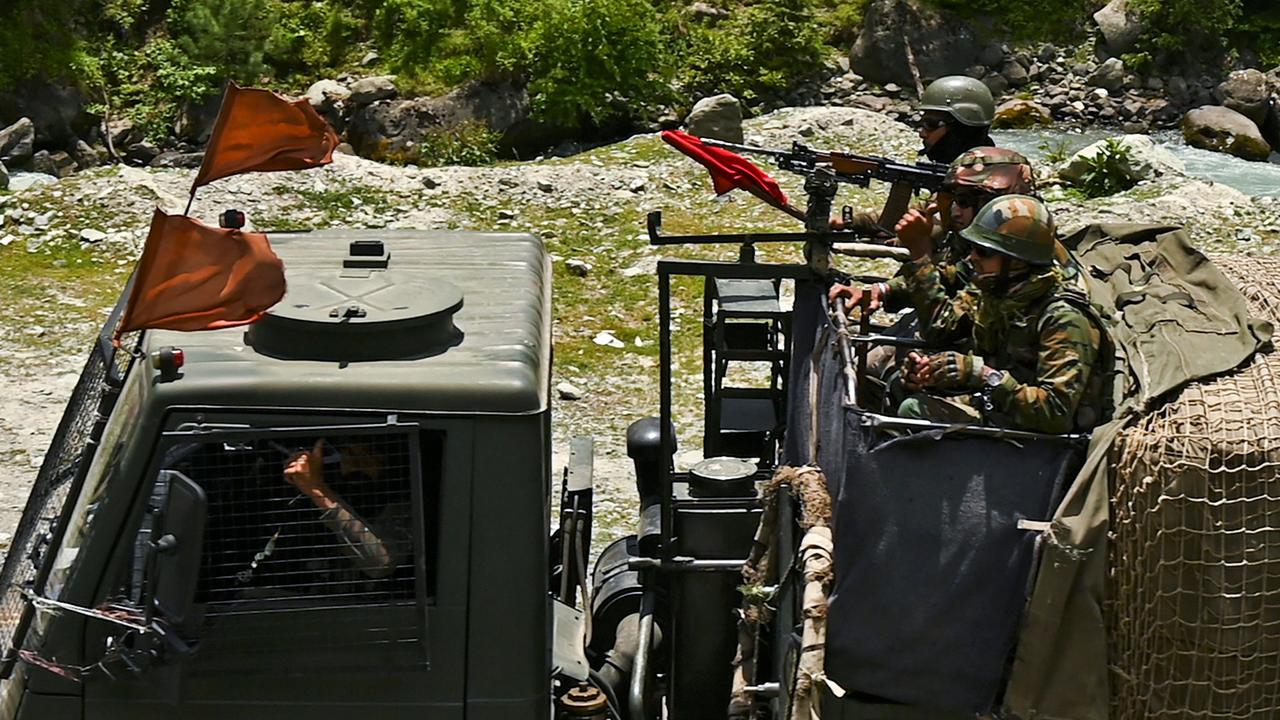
x: 362, y: 311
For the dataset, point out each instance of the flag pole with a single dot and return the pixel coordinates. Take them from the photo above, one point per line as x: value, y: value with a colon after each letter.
x: 190, y: 200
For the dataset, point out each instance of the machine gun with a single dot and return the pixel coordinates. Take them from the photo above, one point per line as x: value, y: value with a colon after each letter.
x: 830, y: 167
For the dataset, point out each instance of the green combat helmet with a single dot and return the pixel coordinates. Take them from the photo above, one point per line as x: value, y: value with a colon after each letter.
x: 998, y: 171
x: 1019, y: 226
x: 963, y: 98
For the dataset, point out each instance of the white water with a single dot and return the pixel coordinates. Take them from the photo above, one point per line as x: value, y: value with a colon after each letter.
x: 1252, y: 178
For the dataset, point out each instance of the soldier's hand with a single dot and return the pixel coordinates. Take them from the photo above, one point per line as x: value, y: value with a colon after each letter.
x: 953, y: 371
x: 305, y: 470
x: 915, y: 371
x: 853, y: 296
x: 915, y: 232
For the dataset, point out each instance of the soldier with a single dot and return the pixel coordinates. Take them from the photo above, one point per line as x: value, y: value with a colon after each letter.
x: 957, y: 114
x: 1035, y: 345
x: 975, y: 178
x: 956, y: 117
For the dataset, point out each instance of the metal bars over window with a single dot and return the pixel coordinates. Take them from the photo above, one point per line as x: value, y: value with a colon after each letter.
x: 334, y: 556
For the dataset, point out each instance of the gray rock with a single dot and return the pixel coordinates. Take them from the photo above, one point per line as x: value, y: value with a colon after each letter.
x: 546, y: 187
x: 123, y: 134
x: 1224, y: 130
x: 4, y: 185
x: 370, y: 58
x: 505, y: 214
x: 991, y: 55
x: 17, y: 142
x: 941, y: 42
x: 578, y: 267
x: 85, y: 156
x: 707, y: 13
x: 1246, y: 92
x: 91, y: 236
x: 1109, y: 75
x: 874, y: 103
x: 1153, y: 83
x: 19, y: 182
x: 1135, y: 128
x: 59, y: 164
x: 1147, y: 160
x: 175, y: 159
x: 718, y: 117
x: 57, y: 111
x: 327, y: 94
x: 1047, y: 54
x: 1022, y: 114
x: 1271, y: 126
x: 1120, y: 25
x: 141, y: 153
x: 429, y: 182
x: 344, y: 149
x: 1177, y: 89
x: 996, y: 83
x: 372, y: 89
x: 568, y: 391
x: 976, y: 72
x: 1015, y: 74
x: 508, y: 183
x: 396, y: 129
x: 196, y: 119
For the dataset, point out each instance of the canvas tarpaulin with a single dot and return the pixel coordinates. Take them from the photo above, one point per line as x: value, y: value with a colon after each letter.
x: 1174, y: 318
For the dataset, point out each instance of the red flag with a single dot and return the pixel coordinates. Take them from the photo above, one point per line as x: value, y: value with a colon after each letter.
x: 258, y: 131
x: 728, y: 169
x: 195, y: 277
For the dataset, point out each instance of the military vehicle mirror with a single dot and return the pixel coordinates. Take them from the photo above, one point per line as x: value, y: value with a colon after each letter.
x: 176, y: 549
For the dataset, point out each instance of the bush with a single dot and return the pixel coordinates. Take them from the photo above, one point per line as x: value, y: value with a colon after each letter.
x: 230, y: 36
x: 842, y: 19
x: 37, y: 37
x: 1187, y: 25
x: 1059, y: 20
x: 1108, y: 171
x: 587, y: 61
x: 471, y: 143
x: 754, y: 53
x: 410, y: 29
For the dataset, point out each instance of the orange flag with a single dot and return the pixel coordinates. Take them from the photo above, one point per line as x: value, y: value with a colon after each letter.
x: 195, y: 277
x: 258, y: 131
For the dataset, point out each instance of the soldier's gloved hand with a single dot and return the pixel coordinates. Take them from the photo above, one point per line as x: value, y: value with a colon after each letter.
x: 952, y: 371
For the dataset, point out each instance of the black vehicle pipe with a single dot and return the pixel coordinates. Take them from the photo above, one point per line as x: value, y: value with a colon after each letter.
x: 640, y: 669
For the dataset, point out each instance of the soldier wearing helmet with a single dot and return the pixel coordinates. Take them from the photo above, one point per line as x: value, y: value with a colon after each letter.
x: 956, y: 116
x: 1033, y: 359
x: 976, y: 177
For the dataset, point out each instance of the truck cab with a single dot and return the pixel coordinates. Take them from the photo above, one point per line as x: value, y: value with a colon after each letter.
x: 166, y: 567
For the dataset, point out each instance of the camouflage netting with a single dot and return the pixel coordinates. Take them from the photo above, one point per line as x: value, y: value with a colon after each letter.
x: 1193, y: 606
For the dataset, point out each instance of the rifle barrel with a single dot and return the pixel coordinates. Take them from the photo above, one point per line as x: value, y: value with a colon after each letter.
x: 771, y: 152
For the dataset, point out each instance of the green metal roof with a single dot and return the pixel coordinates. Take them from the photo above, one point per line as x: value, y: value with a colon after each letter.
x: 498, y: 361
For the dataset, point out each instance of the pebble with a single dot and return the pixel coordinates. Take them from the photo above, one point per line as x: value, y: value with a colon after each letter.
x: 90, y: 235
x: 507, y: 182
x: 578, y: 267
x: 606, y: 338
x: 545, y: 186
x: 505, y: 214
x: 568, y: 391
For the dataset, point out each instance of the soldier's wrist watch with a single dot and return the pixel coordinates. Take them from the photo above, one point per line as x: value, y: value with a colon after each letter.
x: 994, y: 378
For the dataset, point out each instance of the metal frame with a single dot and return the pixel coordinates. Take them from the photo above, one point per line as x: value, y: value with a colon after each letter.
x: 708, y: 270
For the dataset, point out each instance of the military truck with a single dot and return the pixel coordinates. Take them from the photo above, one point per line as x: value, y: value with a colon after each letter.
x: 168, y: 565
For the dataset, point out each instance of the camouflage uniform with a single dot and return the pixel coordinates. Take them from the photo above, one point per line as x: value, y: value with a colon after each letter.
x: 990, y: 170
x: 1041, y: 331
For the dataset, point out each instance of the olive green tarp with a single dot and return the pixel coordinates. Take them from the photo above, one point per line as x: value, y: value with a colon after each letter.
x: 1174, y: 318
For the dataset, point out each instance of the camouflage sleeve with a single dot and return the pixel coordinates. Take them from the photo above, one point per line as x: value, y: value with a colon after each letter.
x: 944, y: 320
x: 1068, y: 351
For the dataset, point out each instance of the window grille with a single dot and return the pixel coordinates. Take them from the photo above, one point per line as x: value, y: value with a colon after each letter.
x: 280, y: 563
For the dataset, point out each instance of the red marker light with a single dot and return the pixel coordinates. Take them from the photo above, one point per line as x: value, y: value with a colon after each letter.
x: 168, y: 360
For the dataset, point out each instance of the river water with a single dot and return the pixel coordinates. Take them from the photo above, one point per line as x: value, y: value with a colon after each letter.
x: 1252, y: 178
